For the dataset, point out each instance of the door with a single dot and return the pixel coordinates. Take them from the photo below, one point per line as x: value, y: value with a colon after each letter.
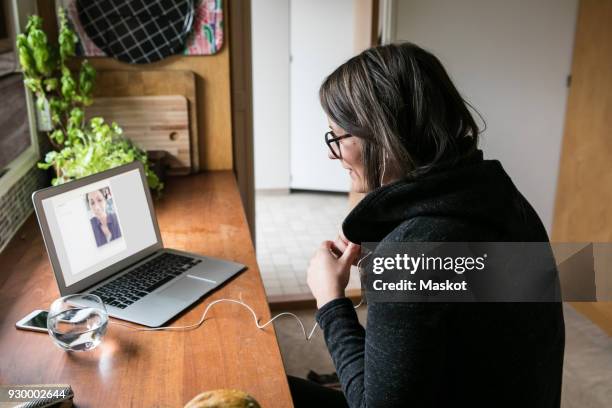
x: 321, y: 39
x: 584, y: 192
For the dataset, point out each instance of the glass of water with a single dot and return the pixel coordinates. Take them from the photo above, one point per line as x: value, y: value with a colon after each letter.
x: 77, y: 322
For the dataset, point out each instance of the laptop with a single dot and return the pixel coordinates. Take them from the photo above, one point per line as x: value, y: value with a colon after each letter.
x: 102, y: 237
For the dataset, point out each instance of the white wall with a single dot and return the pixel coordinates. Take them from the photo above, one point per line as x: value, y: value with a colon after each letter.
x: 270, y: 42
x: 510, y: 59
x: 322, y: 38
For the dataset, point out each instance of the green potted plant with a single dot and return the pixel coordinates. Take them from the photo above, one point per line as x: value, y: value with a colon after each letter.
x: 80, y: 147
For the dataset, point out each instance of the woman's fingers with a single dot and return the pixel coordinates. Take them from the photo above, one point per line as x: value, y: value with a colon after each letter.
x: 342, y: 237
x: 326, y: 245
x: 340, y: 245
x: 327, y: 274
x: 338, y: 248
x: 350, y: 255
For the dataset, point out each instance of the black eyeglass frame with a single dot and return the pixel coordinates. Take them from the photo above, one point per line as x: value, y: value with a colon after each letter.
x: 330, y: 138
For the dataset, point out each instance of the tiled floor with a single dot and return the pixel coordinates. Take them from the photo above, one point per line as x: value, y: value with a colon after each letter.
x: 289, y: 229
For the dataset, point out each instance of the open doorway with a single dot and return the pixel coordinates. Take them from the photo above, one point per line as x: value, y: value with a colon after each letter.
x: 301, y: 195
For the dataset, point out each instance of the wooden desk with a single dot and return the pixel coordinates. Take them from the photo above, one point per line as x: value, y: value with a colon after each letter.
x: 203, y: 214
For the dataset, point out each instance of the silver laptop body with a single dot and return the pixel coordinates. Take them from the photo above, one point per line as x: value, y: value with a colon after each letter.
x: 123, y: 261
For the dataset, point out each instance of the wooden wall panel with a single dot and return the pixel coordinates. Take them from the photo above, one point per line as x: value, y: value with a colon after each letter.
x: 583, y: 212
x: 213, y: 100
x: 242, y: 106
x: 366, y: 23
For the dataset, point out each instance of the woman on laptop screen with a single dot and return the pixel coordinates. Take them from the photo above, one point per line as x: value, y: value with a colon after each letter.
x: 104, y: 221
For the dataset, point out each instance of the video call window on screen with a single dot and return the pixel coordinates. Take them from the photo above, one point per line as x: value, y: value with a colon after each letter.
x: 100, y: 224
x: 102, y: 216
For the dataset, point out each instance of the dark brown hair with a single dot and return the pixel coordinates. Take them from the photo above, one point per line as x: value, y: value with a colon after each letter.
x: 400, y: 101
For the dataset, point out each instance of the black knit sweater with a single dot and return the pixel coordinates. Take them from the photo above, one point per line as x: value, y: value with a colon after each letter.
x: 442, y: 355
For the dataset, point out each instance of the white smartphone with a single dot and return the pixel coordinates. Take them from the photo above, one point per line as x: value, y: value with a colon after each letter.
x: 35, y: 321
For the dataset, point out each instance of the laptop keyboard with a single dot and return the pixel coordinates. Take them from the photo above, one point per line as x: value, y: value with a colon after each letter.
x: 144, y: 279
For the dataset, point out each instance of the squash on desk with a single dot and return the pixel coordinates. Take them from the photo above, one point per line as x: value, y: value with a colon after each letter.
x: 223, y: 398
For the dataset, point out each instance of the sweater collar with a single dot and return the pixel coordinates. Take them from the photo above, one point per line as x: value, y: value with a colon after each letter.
x: 475, y: 188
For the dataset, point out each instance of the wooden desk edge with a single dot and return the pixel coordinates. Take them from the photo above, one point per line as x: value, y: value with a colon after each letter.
x: 19, y: 256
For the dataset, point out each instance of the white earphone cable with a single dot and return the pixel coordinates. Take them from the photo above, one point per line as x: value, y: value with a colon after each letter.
x: 307, y: 336
x: 382, y: 177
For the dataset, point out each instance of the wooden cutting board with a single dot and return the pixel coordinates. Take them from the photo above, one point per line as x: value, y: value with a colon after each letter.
x: 151, y: 122
x: 120, y: 83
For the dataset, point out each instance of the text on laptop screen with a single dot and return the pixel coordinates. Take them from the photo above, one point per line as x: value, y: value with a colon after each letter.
x: 100, y: 224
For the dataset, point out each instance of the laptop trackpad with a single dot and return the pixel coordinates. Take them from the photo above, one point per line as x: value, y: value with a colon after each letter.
x: 186, y: 289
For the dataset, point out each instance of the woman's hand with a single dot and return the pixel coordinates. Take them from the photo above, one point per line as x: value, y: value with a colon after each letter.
x: 328, y: 274
x: 340, y: 245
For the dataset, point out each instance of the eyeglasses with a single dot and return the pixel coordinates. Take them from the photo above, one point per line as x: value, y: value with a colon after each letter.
x: 333, y: 142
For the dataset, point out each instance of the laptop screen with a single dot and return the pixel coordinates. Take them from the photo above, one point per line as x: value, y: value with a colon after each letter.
x: 100, y: 224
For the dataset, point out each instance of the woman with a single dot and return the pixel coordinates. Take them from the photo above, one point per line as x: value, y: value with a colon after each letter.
x: 407, y: 138
x: 104, y: 224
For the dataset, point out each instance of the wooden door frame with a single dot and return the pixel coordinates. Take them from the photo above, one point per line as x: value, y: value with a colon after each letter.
x: 388, y: 11
x: 241, y: 82
x: 241, y: 79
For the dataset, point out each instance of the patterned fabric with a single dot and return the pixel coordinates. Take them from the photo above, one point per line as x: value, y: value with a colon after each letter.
x: 138, y: 31
x: 85, y: 47
x: 206, y: 37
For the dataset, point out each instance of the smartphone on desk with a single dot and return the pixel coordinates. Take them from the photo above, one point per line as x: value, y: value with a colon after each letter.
x: 35, y: 321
